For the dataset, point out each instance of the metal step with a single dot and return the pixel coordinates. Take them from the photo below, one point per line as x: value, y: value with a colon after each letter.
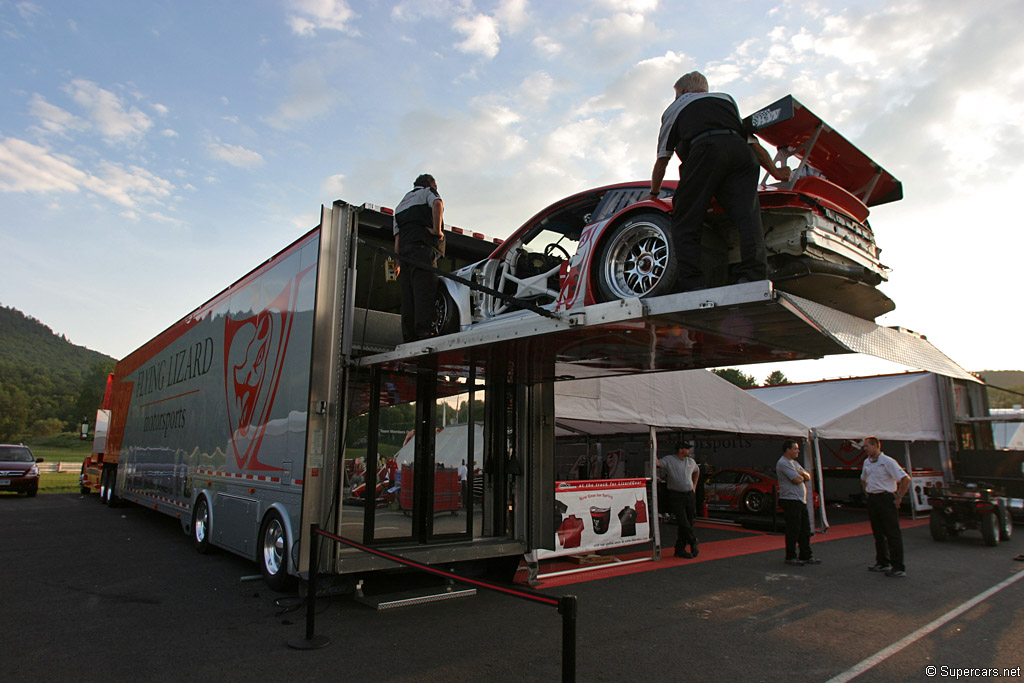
x: 408, y: 598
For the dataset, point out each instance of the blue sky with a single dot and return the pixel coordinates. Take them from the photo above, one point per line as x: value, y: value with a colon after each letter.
x: 152, y: 153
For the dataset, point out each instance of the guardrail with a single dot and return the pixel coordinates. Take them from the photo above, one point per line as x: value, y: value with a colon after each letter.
x: 566, y: 604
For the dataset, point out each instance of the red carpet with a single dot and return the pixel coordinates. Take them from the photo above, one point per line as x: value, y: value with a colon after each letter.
x: 753, y: 542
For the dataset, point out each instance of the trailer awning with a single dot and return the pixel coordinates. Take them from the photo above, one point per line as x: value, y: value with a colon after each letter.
x: 734, y: 325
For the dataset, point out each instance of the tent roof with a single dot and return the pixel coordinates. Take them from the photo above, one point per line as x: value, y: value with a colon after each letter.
x: 897, y: 407
x: 690, y: 399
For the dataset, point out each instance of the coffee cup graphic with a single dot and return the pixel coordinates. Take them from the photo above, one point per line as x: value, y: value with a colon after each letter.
x: 600, y: 517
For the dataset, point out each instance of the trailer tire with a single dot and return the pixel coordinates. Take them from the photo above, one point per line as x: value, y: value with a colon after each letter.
x: 990, y: 528
x: 1006, y: 528
x: 110, y: 499
x: 937, y: 525
x: 201, y: 526
x: 273, y: 552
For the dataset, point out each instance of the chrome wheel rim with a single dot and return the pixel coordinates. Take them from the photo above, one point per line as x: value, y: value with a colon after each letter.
x: 273, y: 547
x: 202, y: 522
x: 637, y: 259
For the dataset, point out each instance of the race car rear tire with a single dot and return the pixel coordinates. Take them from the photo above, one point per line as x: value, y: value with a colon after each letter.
x: 753, y: 502
x: 446, y: 313
x: 637, y: 259
x: 937, y: 525
x: 990, y: 528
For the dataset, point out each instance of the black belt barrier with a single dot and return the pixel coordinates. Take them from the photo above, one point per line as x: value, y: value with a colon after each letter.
x: 566, y: 604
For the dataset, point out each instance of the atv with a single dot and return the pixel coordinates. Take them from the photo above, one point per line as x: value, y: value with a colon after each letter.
x: 970, y: 506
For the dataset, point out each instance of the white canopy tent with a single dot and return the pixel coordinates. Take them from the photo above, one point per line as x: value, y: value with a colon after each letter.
x: 896, y: 407
x: 698, y: 400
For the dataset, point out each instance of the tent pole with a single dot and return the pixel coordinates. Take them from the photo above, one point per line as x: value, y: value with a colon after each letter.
x: 910, y: 473
x: 820, y: 481
x: 655, y: 516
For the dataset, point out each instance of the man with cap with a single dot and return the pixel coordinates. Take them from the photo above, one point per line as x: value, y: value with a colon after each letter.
x: 681, y: 475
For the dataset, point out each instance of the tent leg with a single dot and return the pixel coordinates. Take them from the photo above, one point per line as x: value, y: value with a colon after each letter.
x: 821, y: 484
x: 655, y: 517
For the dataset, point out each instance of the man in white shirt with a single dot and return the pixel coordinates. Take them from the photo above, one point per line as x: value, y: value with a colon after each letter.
x: 885, y: 484
x: 681, y: 475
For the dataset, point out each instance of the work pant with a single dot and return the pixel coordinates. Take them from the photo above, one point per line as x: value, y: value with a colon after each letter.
x: 885, y: 525
x: 722, y: 167
x: 798, y: 529
x: 683, y: 505
x: 419, y: 288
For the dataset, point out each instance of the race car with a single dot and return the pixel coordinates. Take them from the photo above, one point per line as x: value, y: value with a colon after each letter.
x: 741, y: 489
x: 613, y: 243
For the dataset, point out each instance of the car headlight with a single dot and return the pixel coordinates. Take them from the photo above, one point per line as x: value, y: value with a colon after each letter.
x: 33, y: 471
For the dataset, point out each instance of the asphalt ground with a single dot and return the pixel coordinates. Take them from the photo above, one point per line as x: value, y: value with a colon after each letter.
x: 98, y: 594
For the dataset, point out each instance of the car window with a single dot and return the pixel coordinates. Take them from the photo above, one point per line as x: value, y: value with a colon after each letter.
x: 16, y: 454
x: 726, y: 477
x: 540, y: 241
x: 747, y: 478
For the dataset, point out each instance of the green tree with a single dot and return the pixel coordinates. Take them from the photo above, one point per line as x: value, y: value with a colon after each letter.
x: 775, y: 379
x: 14, y: 409
x: 92, y: 388
x: 740, y: 379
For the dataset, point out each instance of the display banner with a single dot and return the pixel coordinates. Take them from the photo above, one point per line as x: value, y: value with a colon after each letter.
x: 601, y: 513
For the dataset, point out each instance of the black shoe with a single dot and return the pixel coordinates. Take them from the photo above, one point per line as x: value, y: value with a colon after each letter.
x: 685, y: 555
x: 811, y: 560
x: 693, y: 548
x: 896, y: 573
x: 880, y: 568
x: 796, y: 563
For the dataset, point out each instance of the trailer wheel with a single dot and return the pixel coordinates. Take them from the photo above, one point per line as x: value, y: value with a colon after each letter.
x: 990, y: 528
x: 109, y: 498
x: 201, y: 526
x: 937, y: 525
x: 638, y: 259
x: 1006, y: 528
x: 273, y: 546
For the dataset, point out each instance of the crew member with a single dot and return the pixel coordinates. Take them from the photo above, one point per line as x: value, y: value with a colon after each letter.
x: 719, y: 160
x: 419, y: 240
x: 885, y: 484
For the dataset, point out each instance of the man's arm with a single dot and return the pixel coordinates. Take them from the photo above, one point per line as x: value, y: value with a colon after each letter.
x: 438, y: 211
x: 658, y: 175
x: 765, y: 159
x: 901, y: 489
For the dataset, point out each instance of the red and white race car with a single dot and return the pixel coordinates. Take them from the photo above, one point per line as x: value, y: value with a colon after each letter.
x: 611, y: 243
x: 741, y: 489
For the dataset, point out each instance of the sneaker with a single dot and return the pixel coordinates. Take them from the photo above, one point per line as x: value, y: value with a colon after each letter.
x: 796, y: 563
x: 896, y: 573
x: 880, y: 568
x: 811, y: 560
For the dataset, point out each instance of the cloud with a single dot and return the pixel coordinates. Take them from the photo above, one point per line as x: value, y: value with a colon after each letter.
x: 26, y: 167
x: 512, y: 14
x: 234, y: 155
x: 310, y: 95
x: 106, y: 112
x: 311, y: 16
x: 53, y: 119
x: 481, y: 33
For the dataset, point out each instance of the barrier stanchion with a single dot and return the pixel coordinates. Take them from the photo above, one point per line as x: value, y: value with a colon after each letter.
x: 567, y: 608
x: 566, y: 604
x: 311, y: 641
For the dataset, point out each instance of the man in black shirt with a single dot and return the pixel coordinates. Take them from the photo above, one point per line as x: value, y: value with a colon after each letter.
x: 419, y: 238
x: 719, y: 160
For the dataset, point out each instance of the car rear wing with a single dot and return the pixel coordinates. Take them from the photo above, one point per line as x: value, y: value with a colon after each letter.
x: 794, y: 130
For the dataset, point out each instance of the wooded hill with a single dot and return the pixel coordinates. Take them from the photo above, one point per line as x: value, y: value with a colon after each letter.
x: 47, y: 384
x: 1004, y: 379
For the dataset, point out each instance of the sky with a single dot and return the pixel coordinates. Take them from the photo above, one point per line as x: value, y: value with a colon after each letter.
x: 153, y: 153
